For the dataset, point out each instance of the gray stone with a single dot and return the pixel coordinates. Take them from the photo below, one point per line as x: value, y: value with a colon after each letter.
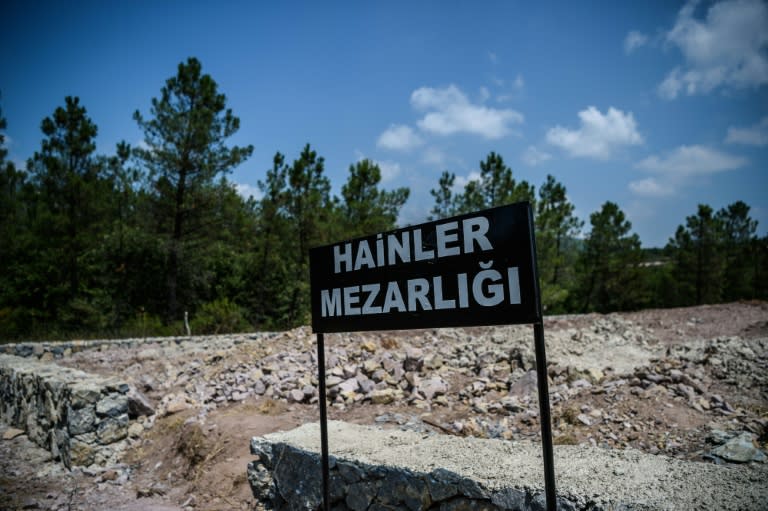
x: 464, y: 504
x: 81, y: 421
x: 25, y: 350
x: 416, y: 496
x: 112, y: 406
x: 472, y: 489
x: 442, y: 484
x: 360, y: 495
x: 510, y: 498
x: 263, y: 449
x: 525, y: 386
x: 433, y: 387
x: 82, y: 450
x: 349, y: 385
x: 739, y: 449
x: 414, y: 359
x: 135, y: 430
x: 350, y: 472
x: 112, y: 429
x: 393, y: 486
x: 138, y: 404
x: 114, y: 385
x: 12, y: 433
x: 296, y: 473
x: 261, y: 482
x: 538, y: 502
x: 86, y: 393
x: 259, y: 388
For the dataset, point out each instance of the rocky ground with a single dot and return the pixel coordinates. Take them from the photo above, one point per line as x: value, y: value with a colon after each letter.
x: 688, y: 383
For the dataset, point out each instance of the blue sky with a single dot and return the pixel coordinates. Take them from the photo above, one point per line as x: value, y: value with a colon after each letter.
x: 658, y: 106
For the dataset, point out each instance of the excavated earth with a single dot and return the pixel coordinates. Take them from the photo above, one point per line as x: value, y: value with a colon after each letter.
x: 688, y: 384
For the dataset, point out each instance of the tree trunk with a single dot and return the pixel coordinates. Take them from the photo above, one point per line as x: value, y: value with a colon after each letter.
x: 173, y: 256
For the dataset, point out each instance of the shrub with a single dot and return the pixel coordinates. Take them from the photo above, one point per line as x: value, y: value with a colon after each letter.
x: 219, y: 317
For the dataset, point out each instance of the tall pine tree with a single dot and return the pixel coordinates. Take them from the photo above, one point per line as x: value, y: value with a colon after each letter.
x: 367, y: 209
x: 495, y: 187
x: 185, y: 152
x: 70, y: 210
x: 556, y: 227
x: 608, y: 267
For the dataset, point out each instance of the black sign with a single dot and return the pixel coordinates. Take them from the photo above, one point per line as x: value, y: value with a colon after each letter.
x: 474, y: 269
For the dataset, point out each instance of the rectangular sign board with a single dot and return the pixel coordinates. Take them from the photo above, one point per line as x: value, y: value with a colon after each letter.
x: 473, y: 269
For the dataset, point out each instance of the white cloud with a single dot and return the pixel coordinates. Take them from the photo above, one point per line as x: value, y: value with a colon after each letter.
x: 728, y: 48
x: 756, y: 135
x: 598, y: 134
x: 399, y: 137
x: 389, y: 170
x: 680, y: 168
x: 492, y: 57
x: 534, y: 156
x: 449, y: 111
x: 634, y: 40
x: 651, y: 187
x: 515, y: 92
x: 691, y: 161
x: 434, y: 156
x: 670, y: 87
x: 245, y: 191
x: 461, y: 181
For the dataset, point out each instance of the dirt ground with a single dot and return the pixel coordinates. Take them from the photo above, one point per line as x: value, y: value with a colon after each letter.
x: 602, y: 392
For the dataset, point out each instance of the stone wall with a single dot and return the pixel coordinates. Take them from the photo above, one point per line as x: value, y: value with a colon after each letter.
x: 383, y: 469
x: 287, y: 478
x: 49, y: 350
x: 81, y: 418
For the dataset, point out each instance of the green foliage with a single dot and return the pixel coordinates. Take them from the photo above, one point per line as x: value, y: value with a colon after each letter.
x: 67, y: 209
x: 555, y: 227
x: 185, y: 152
x: 219, y: 317
x: 739, y: 250
x: 717, y: 256
x: 495, y: 187
x: 445, y: 201
x: 123, y: 244
x: 609, y: 266
x: 366, y: 209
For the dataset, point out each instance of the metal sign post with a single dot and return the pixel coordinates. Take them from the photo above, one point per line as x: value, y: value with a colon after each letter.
x: 469, y: 270
x: 324, y: 464
x: 545, y: 417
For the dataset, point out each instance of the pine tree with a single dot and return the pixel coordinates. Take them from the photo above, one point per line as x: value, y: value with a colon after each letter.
x: 609, y: 263
x: 556, y: 226
x: 311, y: 210
x: 367, y: 209
x: 739, y: 243
x: 70, y: 209
x: 185, y: 152
x: 699, y: 259
x: 495, y: 187
x: 14, y: 311
x: 445, y: 201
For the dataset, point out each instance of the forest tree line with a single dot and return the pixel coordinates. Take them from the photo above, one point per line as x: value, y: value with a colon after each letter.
x: 125, y: 244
